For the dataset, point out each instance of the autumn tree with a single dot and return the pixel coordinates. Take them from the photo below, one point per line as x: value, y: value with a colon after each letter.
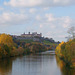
x: 6, y: 39
x: 66, y: 50
x: 6, y: 45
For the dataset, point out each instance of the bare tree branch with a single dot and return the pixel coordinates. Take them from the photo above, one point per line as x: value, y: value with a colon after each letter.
x: 71, y: 31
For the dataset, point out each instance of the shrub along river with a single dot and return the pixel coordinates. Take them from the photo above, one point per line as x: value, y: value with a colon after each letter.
x: 45, y: 63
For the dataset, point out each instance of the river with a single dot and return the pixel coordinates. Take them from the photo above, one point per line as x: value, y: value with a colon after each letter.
x: 39, y: 64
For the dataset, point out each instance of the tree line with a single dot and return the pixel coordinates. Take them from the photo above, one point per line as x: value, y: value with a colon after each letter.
x: 9, y: 48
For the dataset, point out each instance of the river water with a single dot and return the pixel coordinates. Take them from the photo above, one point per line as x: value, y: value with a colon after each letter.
x: 39, y: 64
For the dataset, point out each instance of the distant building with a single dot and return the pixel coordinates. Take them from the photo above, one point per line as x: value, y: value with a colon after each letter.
x: 34, y: 34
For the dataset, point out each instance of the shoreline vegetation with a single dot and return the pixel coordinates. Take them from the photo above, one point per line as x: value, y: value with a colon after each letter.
x: 11, y: 48
x: 66, y: 52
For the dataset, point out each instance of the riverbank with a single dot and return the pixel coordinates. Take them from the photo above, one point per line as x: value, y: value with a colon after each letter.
x: 28, y: 49
x: 66, y: 52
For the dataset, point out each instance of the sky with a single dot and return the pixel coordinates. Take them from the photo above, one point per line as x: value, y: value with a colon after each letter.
x: 52, y: 18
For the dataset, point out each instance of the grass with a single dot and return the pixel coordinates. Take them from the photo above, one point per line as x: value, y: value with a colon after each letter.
x: 31, y: 41
x: 26, y: 40
x: 49, y: 43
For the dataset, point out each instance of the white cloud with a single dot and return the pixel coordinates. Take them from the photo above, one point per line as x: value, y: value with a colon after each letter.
x: 23, y: 3
x: 22, y: 11
x: 46, y: 8
x: 13, y: 19
x: 67, y: 22
x: 38, y: 17
x: 53, y: 26
x: 50, y: 17
x: 42, y: 3
x: 61, y: 36
x: 41, y: 25
x: 50, y: 21
x: 1, y: 8
x: 32, y: 10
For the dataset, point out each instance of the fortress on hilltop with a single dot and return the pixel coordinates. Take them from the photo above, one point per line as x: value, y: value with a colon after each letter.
x: 34, y: 34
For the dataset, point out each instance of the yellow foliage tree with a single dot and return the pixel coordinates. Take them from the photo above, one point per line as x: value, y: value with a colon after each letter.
x: 6, y: 39
x: 67, y: 51
x: 58, y: 49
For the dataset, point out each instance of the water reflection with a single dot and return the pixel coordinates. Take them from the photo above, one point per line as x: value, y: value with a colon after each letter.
x: 35, y: 65
x: 64, y: 70
x: 42, y: 64
x: 6, y: 66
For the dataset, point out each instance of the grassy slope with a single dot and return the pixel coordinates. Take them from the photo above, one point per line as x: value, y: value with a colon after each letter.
x: 26, y: 40
x: 49, y: 43
x: 31, y: 41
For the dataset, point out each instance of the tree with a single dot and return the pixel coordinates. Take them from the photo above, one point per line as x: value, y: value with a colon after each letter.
x: 7, y: 40
x: 71, y: 31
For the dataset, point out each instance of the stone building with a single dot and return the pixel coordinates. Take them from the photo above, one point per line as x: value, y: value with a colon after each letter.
x: 34, y: 34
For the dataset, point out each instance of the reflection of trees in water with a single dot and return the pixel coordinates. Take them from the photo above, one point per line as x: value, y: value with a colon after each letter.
x: 41, y: 57
x: 5, y: 66
x: 64, y: 70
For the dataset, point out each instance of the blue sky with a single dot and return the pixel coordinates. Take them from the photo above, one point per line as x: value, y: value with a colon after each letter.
x: 52, y: 18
